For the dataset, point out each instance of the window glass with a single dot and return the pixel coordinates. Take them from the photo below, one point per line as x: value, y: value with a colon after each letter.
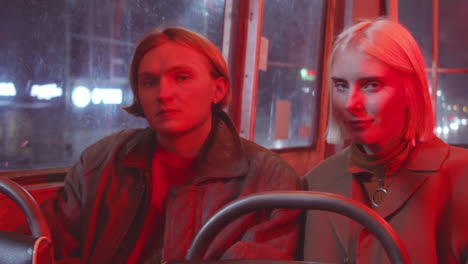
x: 416, y: 15
x: 288, y: 81
x: 453, y: 40
x: 63, y: 70
x: 452, y: 108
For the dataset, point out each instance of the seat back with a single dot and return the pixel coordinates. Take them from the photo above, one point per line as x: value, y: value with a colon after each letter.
x: 17, y: 248
x: 21, y: 249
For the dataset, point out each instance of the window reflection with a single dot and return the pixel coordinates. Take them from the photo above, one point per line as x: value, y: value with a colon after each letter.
x: 452, y: 109
x: 451, y: 64
x: 288, y: 87
x: 416, y: 15
x: 63, y: 70
x: 452, y: 34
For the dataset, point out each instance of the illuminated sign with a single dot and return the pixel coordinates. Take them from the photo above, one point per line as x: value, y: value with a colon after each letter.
x: 7, y: 89
x: 106, y: 96
x: 82, y: 96
x: 46, y: 91
x: 307, y: 75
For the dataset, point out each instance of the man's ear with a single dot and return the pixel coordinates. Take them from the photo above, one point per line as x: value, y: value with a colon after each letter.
x: 221, y: 89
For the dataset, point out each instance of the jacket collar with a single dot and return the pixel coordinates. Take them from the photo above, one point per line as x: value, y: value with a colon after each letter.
x: 138, y: 151
x: 221, y: 156
x: 423, y: 161
x: 428, y: 156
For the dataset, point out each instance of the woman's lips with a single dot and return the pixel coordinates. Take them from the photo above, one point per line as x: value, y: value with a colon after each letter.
x: 360, y: 124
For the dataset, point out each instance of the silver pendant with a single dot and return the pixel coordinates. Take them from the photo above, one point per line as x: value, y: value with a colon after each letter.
x: 373, y: 198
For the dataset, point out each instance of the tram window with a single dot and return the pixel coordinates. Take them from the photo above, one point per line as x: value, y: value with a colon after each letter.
x: 288, y: 81
x: 63, y: 71
x: 452, y: 34
x: 444, y: 48
x: 452, y: 108
x: 420, y: 25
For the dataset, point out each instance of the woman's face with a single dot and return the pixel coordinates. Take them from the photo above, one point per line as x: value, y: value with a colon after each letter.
x: 368, y: 99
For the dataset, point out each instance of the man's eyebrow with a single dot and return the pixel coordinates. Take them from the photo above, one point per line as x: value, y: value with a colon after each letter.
x: 146, y: 74
x: 180, y: 67
x: 183, y: 67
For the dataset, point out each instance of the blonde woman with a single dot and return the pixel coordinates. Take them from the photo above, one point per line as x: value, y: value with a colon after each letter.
x: 380, y: 102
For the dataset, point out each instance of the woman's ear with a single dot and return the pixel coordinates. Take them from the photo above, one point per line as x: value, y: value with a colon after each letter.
x: 221, y: 89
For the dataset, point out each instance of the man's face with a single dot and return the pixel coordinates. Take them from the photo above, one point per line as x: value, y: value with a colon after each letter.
x: 176, y: 90
x: 368, y: 98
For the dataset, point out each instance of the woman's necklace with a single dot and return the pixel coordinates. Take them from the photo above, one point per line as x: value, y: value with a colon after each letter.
x: 379, y: 193
x: 378, y: 165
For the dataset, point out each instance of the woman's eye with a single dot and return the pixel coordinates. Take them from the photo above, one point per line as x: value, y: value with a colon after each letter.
x: 340, y: 86
x: 373, y: 86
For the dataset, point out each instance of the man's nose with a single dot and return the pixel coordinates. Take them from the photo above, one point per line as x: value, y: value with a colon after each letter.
x: 166, y: 88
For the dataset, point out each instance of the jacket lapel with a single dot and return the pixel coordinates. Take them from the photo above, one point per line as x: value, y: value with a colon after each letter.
x: 115, y: 188
x: 342, y: 185
x: 423, y: 161
x: 137, y: 153
x: 222, y: 155
x: 420, y: 166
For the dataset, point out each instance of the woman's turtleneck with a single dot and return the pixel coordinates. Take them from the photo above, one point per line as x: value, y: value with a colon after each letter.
x: 370, y: 168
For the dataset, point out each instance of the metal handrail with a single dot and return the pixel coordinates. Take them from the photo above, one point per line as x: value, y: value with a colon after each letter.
x: 302, y: 200
x: 28, y: 205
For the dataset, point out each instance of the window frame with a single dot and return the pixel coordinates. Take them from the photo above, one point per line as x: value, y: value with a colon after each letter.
x: 435, y: 69
x: 247, y: 97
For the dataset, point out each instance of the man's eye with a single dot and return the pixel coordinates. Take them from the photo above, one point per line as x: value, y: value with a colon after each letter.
x: 148, y: 83
x: 181, y: 77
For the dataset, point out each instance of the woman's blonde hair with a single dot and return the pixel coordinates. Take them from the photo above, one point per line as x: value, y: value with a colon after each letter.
x: 155, y: 38
x: 392, y: 44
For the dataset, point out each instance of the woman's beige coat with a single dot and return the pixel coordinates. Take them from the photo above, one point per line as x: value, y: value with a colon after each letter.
x: 427, y: 205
